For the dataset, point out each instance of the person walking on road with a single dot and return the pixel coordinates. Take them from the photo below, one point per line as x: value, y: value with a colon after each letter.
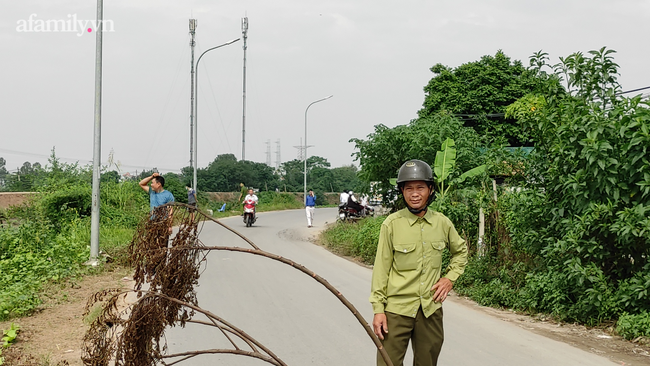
x: 310, y: 203
x: 191, y: 200
x: 407, y: 289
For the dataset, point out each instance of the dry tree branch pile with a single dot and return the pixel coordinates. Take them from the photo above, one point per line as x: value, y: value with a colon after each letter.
x: 166, y: 271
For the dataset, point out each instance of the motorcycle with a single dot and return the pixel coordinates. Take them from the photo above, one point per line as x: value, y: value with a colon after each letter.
x: 349, y: 213
x: 249, y: 212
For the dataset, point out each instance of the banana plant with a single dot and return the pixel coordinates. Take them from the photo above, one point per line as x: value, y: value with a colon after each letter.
x: 444, y: 165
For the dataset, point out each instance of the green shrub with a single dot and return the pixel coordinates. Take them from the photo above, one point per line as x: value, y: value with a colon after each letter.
x: 32, y: 255
x: 357, y: 238
x: 271, y: 200
x: 67, y: 203
x: 633, y: 326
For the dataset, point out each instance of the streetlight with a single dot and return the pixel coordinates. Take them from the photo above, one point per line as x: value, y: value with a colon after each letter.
x: 305, y: 172
x: 196, y: 103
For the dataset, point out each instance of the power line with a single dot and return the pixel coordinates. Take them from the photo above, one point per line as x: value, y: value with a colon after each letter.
x: 75, y: 160
x: 633, y: 90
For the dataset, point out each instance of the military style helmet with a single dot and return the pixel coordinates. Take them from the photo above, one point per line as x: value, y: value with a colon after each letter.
x: 413, y: 170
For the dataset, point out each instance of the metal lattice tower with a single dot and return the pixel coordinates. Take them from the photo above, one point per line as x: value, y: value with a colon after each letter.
x: 301, y: 150
x: 277, y: 154
x: 268, y: 152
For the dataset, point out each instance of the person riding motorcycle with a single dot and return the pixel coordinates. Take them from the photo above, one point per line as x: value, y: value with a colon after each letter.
x: 352, y: 203
x: 250, y: 200
x: 343, y: 199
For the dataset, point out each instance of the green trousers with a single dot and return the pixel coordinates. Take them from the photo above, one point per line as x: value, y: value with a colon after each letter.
x: 426, y: 335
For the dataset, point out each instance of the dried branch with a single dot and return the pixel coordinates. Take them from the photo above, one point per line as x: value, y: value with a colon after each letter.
x: 170, y: 269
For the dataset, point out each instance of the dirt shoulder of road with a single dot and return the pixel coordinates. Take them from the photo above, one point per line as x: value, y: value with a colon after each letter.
x: 54, y: 334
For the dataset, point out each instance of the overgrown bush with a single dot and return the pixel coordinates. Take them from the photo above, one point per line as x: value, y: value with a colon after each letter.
x: 580, y: 227
x: 33, y: 254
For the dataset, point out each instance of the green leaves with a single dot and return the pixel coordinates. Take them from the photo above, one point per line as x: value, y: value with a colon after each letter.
x: 385, y: 150
x: 444, y: 166
x: 472, y: 173
x: 479, y: 92
x: 445, y: 161
x: 9, y: 336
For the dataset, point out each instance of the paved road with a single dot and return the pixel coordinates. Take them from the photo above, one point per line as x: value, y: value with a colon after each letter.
x: 304, y: 324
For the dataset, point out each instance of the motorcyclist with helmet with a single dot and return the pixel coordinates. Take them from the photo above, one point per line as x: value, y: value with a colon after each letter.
x: 251, y: 200
x: 352, y: 203
x: 407, y: 289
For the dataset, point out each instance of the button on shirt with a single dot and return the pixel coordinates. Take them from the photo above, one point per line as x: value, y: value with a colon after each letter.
x: 409, y: 260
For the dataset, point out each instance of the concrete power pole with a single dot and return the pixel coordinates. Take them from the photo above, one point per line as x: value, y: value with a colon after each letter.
x: 244, y: 32
x: 192, y: 44
x: 97, y: 143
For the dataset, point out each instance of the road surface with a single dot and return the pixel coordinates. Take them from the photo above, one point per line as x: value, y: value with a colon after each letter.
x: 304, y: 324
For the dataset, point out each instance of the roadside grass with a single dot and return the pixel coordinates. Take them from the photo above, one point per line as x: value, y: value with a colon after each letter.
x: 42, y: 248
x: 355, y: 238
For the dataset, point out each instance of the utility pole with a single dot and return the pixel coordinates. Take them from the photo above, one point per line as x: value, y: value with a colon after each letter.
x: 244, y: 32
x: 97, y: 149
x: 192, y: 44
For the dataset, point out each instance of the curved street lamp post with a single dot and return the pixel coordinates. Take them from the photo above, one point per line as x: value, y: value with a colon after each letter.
x: 196, y: 104
x: 305, y: 168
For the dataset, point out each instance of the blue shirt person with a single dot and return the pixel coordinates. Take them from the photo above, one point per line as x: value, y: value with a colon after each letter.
x: 310, y: 203
x: 158, y: 196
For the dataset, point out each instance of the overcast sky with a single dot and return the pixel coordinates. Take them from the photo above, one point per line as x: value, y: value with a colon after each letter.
x: 373, y: 56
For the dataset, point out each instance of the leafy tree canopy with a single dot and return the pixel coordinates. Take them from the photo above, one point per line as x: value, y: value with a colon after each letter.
x: 385, y: 150
x: 479, y: 93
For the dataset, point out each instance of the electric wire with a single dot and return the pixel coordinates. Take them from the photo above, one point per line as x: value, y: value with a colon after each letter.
x: 75, y: 160
x: 633, y: 90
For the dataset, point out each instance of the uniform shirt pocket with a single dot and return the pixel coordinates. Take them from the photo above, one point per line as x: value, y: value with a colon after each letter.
x: 405, y: 257
x: 438, y: 246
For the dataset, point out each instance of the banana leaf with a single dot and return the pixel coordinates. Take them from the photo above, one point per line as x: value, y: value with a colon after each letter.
x: 471, y: 173
x: 445, y: 160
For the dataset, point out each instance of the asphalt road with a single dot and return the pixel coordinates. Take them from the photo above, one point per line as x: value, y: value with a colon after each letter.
x: 304, y: 324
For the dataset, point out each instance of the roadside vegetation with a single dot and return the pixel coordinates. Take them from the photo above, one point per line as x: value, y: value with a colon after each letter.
x: 567, y: 230
x: 45, y: 242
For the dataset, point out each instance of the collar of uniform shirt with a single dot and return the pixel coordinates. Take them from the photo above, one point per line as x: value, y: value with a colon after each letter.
x: 413, y: 218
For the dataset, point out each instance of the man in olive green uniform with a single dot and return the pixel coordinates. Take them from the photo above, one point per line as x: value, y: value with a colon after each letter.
x: 407, y: 288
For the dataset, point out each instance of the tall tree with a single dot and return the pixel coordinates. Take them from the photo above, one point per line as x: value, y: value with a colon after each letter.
x: 478, y: 92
